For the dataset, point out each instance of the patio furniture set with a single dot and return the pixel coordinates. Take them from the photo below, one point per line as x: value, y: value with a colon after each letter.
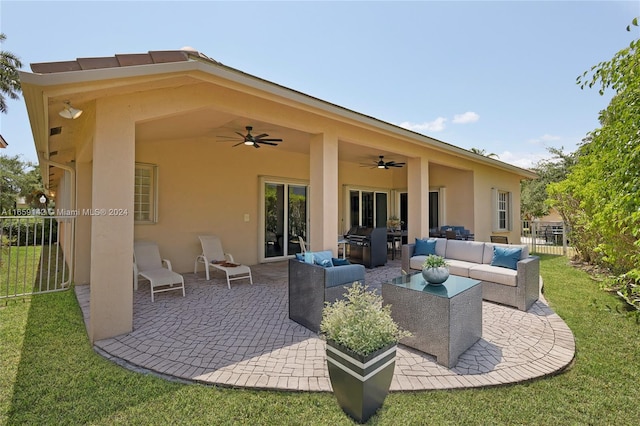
x: 444, y: 320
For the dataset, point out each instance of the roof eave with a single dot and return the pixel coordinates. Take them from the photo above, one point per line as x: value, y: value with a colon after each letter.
x: 197, y: 62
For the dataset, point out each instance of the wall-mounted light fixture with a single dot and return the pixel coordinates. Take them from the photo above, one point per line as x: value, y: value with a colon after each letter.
x: 70, y: 112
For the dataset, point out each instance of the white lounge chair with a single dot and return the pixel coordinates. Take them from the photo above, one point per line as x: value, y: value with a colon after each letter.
x: 213, y: 256
x: 148, y: 264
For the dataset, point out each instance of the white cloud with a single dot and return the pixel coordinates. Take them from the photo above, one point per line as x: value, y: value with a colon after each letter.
x: 436, y: 125
x: 544, y: 139
x: 525, y: 160
x: 467, y: 117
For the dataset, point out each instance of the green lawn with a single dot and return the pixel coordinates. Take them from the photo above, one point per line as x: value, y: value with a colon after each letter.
x: 50, y: 375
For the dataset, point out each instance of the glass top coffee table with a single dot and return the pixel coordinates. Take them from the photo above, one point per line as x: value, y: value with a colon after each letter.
x: 445, y: 320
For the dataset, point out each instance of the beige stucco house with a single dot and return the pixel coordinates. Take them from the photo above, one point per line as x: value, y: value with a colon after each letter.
x: 150, y: 158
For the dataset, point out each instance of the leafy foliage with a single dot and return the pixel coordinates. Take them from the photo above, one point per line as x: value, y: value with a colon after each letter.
x: 18, y: 178
x: 434, y: 261
x: 533, y: 193
x: 9, y: 78
x: 360, y: 323
x: 600, y: 198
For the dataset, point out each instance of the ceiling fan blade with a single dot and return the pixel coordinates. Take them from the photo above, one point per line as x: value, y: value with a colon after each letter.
x: 269, y: 140
x: 241, y: 135
x: 261, y: 136
x: 255, y: 145
x: 239, y: 143
x: 267, y: 143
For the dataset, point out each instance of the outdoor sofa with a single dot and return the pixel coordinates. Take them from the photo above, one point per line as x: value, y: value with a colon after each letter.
x: 509, y: 275
x: 311, y: 285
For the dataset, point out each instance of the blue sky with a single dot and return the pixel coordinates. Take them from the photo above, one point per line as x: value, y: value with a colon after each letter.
x: 498, y: 76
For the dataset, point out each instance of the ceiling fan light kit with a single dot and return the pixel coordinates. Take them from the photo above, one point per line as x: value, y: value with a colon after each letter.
x: 256, y: 140
x: 381, y: 164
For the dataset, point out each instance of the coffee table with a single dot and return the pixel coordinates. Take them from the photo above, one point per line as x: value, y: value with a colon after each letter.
x: 445, y: 320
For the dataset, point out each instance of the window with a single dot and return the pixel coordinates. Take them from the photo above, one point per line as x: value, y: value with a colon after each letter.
x: 145, y: 193
x: 502, y: 212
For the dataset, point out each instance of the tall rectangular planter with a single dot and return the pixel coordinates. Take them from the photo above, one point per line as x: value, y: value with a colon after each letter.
x: 359, y: 383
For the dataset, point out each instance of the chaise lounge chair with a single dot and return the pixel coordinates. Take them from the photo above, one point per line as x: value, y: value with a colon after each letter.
x: 147, y: 263
x: 213, y: 256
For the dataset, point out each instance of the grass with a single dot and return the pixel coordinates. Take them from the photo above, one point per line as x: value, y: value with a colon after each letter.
x: 50, y: 375
x: 31, y: 269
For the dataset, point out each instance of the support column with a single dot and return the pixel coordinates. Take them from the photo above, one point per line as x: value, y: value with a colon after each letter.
x: 418, y: 198
x: 323, y: 216
x: 82, y: 273
x: 111, y: 301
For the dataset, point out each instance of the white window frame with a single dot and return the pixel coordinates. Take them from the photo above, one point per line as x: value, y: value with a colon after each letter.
x: 502, y: 203
x: 150, y: 189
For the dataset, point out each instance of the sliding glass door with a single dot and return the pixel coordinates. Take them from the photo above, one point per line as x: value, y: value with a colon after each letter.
x: 368, y: 208
x: 285, y: 218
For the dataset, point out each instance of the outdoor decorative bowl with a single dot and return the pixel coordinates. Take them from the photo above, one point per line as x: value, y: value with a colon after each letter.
x: 435, y: 276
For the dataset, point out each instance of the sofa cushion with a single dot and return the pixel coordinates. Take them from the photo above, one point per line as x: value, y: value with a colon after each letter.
x: 341, y: 275
x: 424, y: 247
x: 416, y: 262
x: 506, y: 257
x: 469, y: 251
x: 459, y: 267
x: 488, y: 251
x: 494, y: 274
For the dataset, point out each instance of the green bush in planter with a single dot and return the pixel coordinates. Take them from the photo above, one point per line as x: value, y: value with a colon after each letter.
x: 360, y: 323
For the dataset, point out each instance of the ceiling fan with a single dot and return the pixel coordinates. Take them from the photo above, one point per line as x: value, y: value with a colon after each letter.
x: 254, y: 140
x: 381, y: 164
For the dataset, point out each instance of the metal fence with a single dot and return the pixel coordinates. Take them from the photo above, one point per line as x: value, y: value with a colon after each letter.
x: 546, y: 237
x: 36, y: 254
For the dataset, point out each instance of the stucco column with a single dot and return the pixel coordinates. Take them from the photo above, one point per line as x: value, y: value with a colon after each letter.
x: 111, y: 301
x: 418, y: 198
x: 323, y: 206
x: 82, y: 272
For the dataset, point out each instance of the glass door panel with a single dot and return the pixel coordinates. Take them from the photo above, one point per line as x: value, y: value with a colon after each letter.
x: 274, y: 220
x: 367, y: 209
x: 354, y: 205
x: 381, y: 210
x: 297, y: 218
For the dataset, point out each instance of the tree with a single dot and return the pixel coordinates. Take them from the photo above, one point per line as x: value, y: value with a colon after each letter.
x: 9, y: 78
x: 600, y: 197
x: 533, y: 193
x: 18, y: 179
x: 483, y: 153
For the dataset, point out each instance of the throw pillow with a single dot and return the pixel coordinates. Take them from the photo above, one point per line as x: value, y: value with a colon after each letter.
x: 424, y: 247
x: 340, y: 262
x: 506, y: 257
x: 300, y: 257
x: 321, y: 256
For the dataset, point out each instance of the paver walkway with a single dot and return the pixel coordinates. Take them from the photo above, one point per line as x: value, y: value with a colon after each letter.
x: 243, y: 337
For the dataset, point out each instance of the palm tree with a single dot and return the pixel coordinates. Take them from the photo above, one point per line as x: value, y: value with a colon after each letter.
x: 9, y: 79
x: 483, y: 153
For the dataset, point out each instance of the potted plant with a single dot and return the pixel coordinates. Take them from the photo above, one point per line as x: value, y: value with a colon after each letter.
x: 361, y: 347
x: 435, y: 270
x: 393, y: 223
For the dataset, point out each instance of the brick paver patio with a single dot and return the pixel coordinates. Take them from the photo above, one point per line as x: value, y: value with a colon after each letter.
x: 243, y: 338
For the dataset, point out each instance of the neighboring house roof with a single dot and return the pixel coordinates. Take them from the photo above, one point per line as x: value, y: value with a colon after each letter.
x: 3, y: 143
x: 159, y: 62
